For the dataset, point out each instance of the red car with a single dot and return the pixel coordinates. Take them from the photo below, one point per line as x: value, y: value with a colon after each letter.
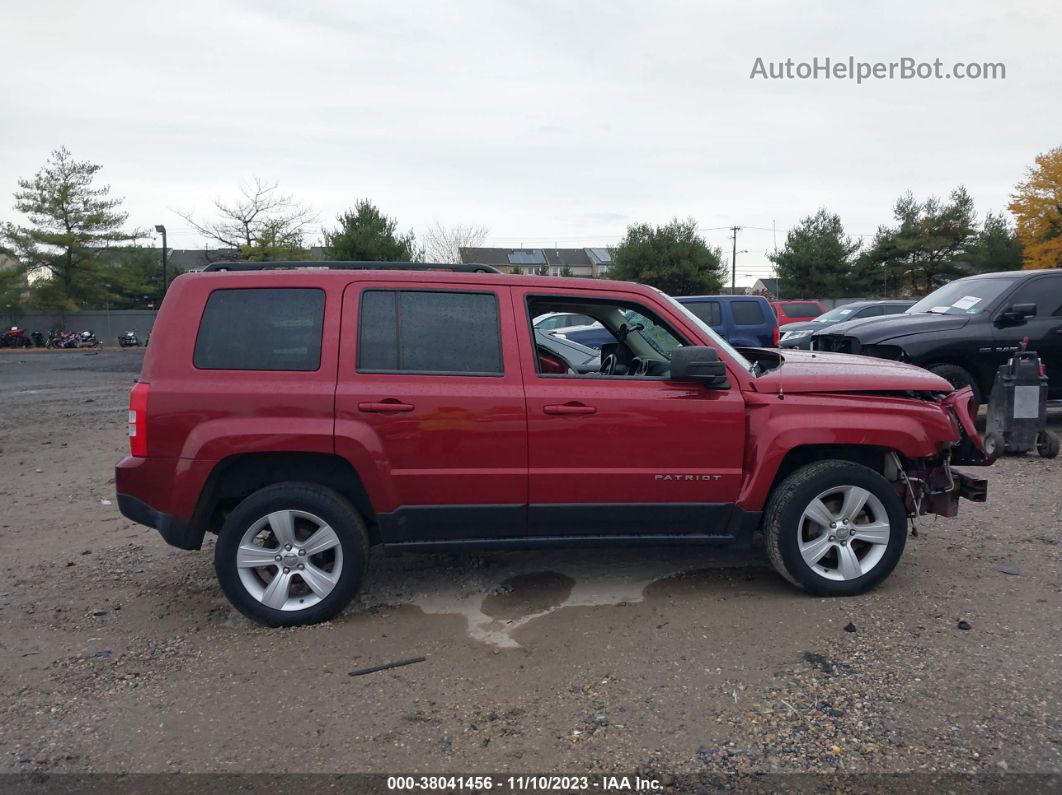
x: 797, y: 311
x: 304, y: 412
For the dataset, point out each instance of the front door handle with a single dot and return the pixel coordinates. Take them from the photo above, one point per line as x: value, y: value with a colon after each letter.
x: 389, y: 406
x: 569, y: 408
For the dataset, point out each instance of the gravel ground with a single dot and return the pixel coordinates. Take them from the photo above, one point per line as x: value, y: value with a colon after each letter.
x: 121, y: 654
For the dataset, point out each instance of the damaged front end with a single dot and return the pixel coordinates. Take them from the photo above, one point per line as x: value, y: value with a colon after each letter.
x: 930, y: 485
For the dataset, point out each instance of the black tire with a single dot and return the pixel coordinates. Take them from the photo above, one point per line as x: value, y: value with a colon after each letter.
x: 783, y: 531
x: 958, y: 377
x: 311, y: 498
x: 1047, y: 444
x: 994, y: 445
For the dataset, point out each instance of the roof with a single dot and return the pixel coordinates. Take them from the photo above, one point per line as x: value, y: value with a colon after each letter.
x: 311, y: 277
x: 508, y: 257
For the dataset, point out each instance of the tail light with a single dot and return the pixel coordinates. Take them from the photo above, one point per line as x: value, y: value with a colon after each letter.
x: 138, y: 442
x: 775, y: 337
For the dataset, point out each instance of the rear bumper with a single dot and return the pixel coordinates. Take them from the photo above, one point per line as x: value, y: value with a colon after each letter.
x: 175, y: 532
x: 163, y: 493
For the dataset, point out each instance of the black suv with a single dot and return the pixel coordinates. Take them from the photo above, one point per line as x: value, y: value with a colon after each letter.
x: 966, y: 329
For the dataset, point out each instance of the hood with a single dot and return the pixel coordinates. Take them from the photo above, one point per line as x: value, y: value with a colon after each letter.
x: 872, y: 330
x: 803, y: 325
x: 814, y: 371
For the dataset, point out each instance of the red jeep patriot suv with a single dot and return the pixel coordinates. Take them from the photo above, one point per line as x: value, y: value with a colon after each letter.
x: 304, y: 412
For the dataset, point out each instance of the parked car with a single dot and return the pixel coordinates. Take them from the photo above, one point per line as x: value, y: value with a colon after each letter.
x: 796, y: 311
x: 552, y: 321
x: 798, y: 335
x: 966, y: 329
x: 567, y: 356
x: 304, y: 412
x: 742, y: 320
x: 592, y: 335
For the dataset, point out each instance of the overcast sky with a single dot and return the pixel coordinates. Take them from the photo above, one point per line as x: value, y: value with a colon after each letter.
x: 547, y: 122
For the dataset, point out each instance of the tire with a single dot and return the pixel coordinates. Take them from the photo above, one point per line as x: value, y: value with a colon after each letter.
x: 958, y: 377
x: 1047, y: 444
x: 994, y: 445
x: 788, y: 530
x: 254, y: 534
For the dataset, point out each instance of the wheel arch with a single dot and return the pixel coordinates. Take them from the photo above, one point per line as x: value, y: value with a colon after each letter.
x: 234, y: 478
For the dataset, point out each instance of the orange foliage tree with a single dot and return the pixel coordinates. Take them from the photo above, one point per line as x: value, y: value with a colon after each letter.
x: 1037, y: 208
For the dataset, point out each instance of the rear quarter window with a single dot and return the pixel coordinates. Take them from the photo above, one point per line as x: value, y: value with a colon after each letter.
x: 261, y: 328
x: 747, y: 313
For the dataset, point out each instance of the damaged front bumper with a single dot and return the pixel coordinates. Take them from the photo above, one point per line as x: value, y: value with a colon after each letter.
x: 931, y: 485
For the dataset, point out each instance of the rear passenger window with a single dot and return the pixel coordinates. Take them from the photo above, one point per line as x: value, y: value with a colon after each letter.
x: 708, y: 311
x: 747, y: 313
x: 429, y: 331
x: 261, y: 329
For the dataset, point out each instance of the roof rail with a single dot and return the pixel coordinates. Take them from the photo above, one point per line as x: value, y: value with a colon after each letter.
x: 457, y: 267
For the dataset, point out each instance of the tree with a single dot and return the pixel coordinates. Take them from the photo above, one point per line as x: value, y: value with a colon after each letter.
x: 262, y: 225
x: 927, y: 246
x: 1037, y: 207
x: 996, y: 247
x: 444, y: 243
x: 672, y: 258
x: 367, y: 235
x: 816, y: 259
x: 132, y: 278
x: 71, y: 226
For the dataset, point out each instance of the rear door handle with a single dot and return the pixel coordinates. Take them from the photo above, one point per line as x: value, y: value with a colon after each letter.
x: 569, y: 408
x: 389, y: 406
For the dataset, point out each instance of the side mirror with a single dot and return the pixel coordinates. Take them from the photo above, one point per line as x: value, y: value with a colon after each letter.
x: 1019, y: 312
x: 700, y: 364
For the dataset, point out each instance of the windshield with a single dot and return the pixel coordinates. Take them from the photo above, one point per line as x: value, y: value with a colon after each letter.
x: 835, y: 315
x: 704, y: 327
x: 962, y: 297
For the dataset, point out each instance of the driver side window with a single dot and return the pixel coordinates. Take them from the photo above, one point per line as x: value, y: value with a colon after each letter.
x: 622, y: 340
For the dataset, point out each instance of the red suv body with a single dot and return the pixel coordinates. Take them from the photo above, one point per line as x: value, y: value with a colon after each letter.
x: 287, y: 408
x: 797, y: 311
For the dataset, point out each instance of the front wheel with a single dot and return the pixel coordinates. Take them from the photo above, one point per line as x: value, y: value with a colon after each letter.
x: 835, y: 528
x: 291, y: 554
x: 958, y: 377
x: 1047, y: 444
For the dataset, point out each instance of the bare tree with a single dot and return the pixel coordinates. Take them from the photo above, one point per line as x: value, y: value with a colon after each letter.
x: 261, y: 224
x: 444, y: 243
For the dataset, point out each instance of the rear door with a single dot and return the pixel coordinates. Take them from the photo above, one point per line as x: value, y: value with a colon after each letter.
x: 754, y: 323
x: 430, y: 399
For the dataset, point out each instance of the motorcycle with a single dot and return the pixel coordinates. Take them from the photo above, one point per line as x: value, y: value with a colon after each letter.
x: 72, y: 339
x: 15, y: 337
x: 38, y: 339
x: 86, y: 339
x: 129, y: 340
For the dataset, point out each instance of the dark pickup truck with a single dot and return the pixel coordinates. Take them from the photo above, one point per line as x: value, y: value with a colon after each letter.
x: 966, y: 329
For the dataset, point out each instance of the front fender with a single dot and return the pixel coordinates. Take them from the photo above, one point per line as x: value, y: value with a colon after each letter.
x: 777, y: 425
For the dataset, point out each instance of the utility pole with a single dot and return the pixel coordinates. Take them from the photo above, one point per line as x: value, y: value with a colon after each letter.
x: 733, y: 261
x: 162, y: 229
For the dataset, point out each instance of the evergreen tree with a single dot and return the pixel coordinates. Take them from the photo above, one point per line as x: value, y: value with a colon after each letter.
x: 367, y: 235
x: 672, y: 258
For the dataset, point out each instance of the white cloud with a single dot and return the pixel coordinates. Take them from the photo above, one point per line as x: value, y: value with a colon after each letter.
x: 545, y: 121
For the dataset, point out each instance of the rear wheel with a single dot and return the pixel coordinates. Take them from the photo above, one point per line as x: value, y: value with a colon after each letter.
x: 291, y: 554
x: 958, y: 377
x: 835, y: 528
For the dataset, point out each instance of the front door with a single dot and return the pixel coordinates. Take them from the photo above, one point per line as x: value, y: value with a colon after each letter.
x: 1044, y: 331
x: 625, y: 450
x: 430, y: 405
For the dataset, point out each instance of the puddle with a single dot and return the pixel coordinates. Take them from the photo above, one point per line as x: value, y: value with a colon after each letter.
x: 525, y: 594
x: 514, y: 589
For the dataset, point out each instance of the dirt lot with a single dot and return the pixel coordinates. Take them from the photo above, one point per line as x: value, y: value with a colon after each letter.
x: 119, y: 653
